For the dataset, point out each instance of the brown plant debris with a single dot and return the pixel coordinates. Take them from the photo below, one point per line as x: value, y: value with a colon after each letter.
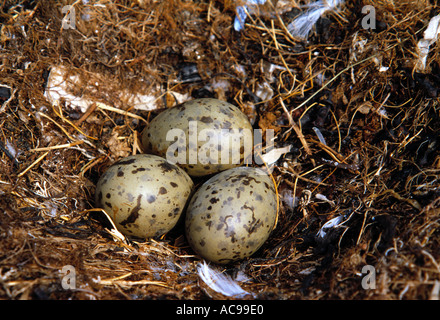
x: 359, y: 186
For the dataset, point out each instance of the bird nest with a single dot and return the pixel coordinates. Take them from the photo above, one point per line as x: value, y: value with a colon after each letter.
x: 355, y: 109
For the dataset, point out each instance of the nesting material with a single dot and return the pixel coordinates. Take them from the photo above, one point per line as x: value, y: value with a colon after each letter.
x: 6, y: 95
x: 430, y: 36
x: 243, y: 11
x: 331, y: 224
x: 354, y: 125
x: 83, y: 90
x: 275, y: 154
x: 301, y: 26
x: 220, y: 282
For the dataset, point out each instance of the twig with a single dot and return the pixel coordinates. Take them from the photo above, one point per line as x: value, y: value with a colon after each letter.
x: 59, y: 114
x: 33, y: 164
x: 296, y: 128
x: 331, y: 80
x: 60, y: 146
x: 123, y: 112
x: 89, y: 111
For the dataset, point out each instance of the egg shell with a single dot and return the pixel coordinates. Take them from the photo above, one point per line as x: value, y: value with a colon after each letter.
x: 231, y: 215
x: 209, y: 136
x: 143, y: 194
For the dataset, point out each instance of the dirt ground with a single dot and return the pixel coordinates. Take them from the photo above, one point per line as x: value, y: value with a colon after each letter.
x: 360, y: 112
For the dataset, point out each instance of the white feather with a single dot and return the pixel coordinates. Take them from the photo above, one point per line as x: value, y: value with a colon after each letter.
x: 220, y: 282
x: 301, y: 26
x: 332, y: 223
x: 242, y: 12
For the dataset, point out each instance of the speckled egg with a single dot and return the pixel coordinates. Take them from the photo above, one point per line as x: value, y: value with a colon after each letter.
x: 231, y: 215
x: 203, y: 136
x: 143, y: 194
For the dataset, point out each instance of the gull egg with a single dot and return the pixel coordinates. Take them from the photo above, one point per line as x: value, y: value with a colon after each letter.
x: 203, y: 136
x: 143, y: 194
x: 231, y: 215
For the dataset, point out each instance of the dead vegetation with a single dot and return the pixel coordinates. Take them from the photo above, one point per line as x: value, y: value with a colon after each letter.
x: 372, y: 160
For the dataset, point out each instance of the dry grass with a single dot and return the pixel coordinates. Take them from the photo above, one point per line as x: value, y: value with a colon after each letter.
x: 379, y: 166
